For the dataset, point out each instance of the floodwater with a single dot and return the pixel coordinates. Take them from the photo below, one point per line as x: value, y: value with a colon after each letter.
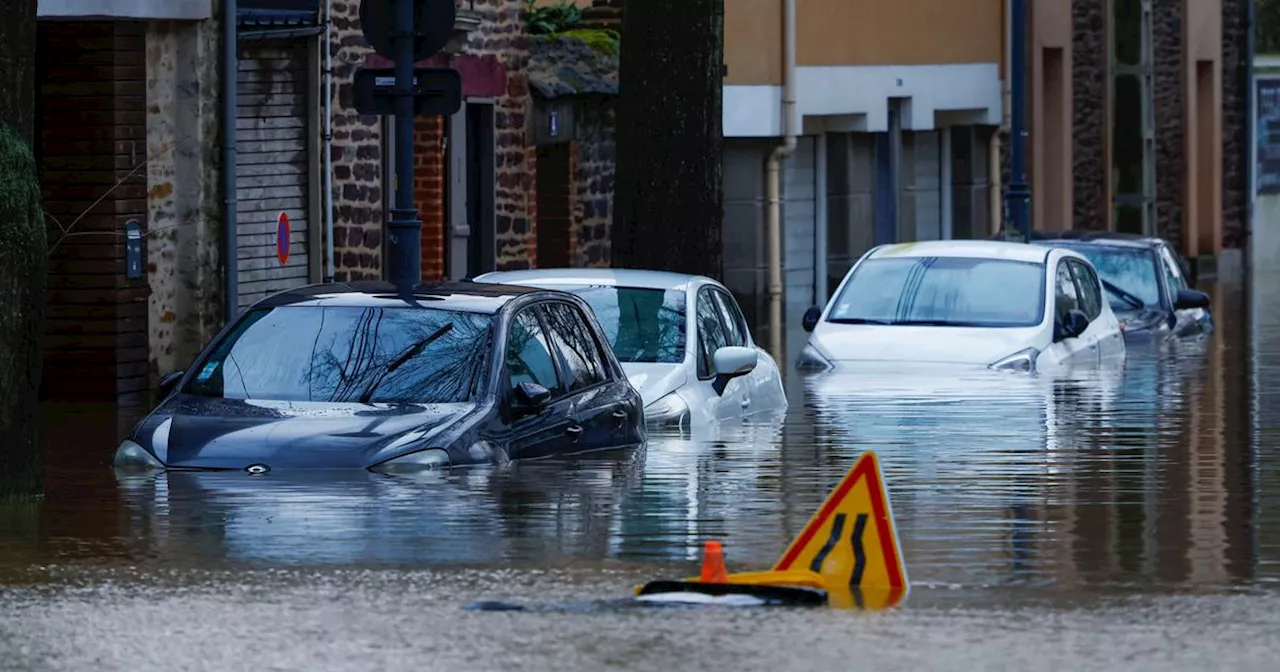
x: 1107, y: 520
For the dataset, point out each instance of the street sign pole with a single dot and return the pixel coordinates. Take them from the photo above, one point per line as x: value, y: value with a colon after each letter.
x: 405, y: 231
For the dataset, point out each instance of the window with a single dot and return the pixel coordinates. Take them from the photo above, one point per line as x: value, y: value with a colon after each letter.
x: 576, y: 345
x: 1066, y: 299
x: 1131, y: 270
x: 943, y: 291
x: 1172, y: 272
x: 712, y: 334
x: 349, y: 354
x: 642, y: 325
x: 734, y: 322
x: 529, y: 354
x: 1090, y: 294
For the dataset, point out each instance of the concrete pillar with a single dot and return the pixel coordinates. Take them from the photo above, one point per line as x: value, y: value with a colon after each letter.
x: 183, y: 200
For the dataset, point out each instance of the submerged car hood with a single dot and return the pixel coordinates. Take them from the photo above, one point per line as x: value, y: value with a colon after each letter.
x: 952, y: 345
x: 654, y: 381
x: 209, y: 433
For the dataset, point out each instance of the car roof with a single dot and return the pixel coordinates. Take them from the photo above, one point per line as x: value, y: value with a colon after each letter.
x: 987, y: 249
x: 1078, y: 237
x: 463, y: 296
x: 613, y: 277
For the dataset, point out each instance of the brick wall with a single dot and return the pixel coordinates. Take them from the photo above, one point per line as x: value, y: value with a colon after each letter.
x: 93, y: 153
x: 503, y: 35
x: 593, y: 171
x: 429, y: 192
x: 1168, y: 67
x: 357, y: 157
x: 1235, y: 120
x: 1089, y: 98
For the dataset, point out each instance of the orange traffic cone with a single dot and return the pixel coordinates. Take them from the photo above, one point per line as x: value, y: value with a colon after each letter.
x: 713, y: 570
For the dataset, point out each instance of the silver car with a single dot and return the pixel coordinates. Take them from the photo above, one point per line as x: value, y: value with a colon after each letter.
x: 681, y: 339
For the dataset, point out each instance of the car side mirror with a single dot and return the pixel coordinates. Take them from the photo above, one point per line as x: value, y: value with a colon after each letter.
x: 1191, y: 298
x: 811, y: 317
x: 531, y: 397
x: 168, y: 382
x: 731, y: 362
x: 1075, y: 324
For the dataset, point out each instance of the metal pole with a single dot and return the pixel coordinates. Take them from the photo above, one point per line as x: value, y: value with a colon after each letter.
x: 404, y: 230
x: 230, y: 65
x: 1017, y: 196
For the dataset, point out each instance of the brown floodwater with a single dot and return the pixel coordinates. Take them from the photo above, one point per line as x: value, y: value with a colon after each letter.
x: 1119, y: 519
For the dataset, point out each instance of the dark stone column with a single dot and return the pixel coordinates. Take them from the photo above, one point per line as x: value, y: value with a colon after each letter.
x: 1235, y: 120
x: 1169, y: 65
x: 1089, y: 97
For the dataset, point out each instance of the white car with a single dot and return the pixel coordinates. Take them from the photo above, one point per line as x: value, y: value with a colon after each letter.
x: 1002, y: 305
x: 681, y: 339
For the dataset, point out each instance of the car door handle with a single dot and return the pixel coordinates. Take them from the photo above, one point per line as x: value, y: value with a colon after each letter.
x: 573, y: 430
x: 746, y: 402
x: 620, y: 414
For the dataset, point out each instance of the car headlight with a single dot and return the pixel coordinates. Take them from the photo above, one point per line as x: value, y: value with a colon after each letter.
x: 1022, y: 360
x: 422, y: 460
x: 130, y: 455
x: 812, y: 360
x: 669, y: 411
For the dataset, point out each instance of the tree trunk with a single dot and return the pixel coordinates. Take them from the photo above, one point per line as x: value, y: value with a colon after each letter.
x: 668, y: 202
x: 23, y: 256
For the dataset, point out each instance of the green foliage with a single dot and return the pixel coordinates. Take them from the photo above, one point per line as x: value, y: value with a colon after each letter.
x: 552, y: 19
x: 602, y: 40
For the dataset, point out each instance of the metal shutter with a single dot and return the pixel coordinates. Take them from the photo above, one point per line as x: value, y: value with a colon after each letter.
x: 272, y: 167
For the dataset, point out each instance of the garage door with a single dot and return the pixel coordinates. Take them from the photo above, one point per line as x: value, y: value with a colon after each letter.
x: 272, y: 168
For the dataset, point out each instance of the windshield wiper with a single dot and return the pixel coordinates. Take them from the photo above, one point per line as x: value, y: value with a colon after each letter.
x: 936, y: 323
x: 856, y: 320
x: 1125, y: 296
x: 409, y: 353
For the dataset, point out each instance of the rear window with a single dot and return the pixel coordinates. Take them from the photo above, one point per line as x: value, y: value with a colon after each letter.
x: 942, y: 291
x: 349, y: 354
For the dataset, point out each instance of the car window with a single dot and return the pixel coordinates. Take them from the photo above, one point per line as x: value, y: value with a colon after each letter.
x: 1090, y: 292
x: 1066, y: 299
x: 959, y: 291
x: 735, y: 324
x: 641, y: 325
x: 529, y: 353
x: 577, y: 348
x: 712, y: 334
x: 349, y: 354
x: 1130, y: 269
x: 1172, y: 271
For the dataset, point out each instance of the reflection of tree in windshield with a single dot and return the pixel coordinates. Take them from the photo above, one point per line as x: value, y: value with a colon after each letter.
x: 642, y: 325
x: 348, y: 354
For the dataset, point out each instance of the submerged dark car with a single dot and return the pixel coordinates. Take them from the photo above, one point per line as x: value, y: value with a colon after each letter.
x: 360, y: 376
x: 1146, y: 282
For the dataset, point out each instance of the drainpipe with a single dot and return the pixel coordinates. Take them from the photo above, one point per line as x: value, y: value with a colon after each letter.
x: 773, y: 224
x: 328, y: 140
x: 820, y: 222
x: 230, y: 62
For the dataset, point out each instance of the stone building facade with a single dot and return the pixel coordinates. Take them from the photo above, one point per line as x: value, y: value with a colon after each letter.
x: 1189, y: 177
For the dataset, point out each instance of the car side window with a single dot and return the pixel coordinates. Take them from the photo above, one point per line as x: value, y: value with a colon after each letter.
x: 711, y: 333
x: 1090, y: 292
x: 529, y: 353
x: 1067, y: 299
x: 578, y: 350
x: 735, y: 325
x: 1172, y: 271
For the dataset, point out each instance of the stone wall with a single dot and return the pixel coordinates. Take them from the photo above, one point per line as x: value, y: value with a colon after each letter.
x: 593, y: 184
x: 1235, y: 120
x: 1089, y: 96
x: 1168, y: 98
x: 358, y: 207
x: 184, y: 191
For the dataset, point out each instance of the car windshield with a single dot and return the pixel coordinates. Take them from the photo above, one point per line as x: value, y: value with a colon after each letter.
x: 942, y: 291
x: 1131, y: 270
x: 349, y: 354
x: 642, y: 325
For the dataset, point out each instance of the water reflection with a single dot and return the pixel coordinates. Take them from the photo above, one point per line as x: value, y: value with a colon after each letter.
x: 1141, y: 477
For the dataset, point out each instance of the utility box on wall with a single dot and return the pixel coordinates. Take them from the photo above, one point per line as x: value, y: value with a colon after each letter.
x: 554, y: 121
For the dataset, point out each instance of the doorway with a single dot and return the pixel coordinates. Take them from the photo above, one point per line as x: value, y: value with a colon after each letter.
x: 555, y: 206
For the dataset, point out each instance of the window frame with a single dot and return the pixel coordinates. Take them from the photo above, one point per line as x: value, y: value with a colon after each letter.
x: 602, y: 362
x: 730, y: 311
x: 697, y: 324
x: 1063, y: 264
x: 508, y: 392
x: 1079, y: 268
